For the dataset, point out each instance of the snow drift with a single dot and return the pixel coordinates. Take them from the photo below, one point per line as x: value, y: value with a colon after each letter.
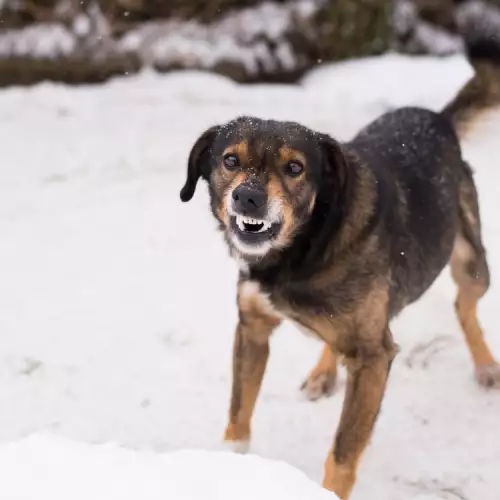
x: 44, y: 467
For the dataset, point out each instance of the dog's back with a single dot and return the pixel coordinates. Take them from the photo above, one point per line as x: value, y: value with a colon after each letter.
x: 415, y: 156
x: 428, y: 205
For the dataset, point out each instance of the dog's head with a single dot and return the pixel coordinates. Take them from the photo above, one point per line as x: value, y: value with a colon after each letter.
x: 265, y: 179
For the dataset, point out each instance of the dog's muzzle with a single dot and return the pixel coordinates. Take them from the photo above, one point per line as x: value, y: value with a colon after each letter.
x: 249, y: 200
x: 254, y: 220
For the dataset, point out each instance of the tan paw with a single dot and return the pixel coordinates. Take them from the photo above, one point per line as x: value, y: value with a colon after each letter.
x: 237, y: 438
x: 241, y: 447
x: 339, y: 478
x: 488, y: 375
x: 319, y: 385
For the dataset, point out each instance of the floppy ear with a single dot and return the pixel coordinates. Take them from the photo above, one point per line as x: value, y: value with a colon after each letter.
x: 199, y: 162
x: 335, y: 166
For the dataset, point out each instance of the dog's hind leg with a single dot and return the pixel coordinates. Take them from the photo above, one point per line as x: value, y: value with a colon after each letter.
x: 321, y: 381
x: 470, y: 272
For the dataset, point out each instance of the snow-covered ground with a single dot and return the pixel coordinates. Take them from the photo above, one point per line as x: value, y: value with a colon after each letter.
x: 44, y: 467
x: 117, y: 305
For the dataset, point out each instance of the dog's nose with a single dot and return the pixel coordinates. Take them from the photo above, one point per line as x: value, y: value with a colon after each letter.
x: 249, y: 199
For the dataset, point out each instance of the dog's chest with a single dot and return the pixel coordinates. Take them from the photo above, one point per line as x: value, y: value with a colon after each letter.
x: 252, y: 290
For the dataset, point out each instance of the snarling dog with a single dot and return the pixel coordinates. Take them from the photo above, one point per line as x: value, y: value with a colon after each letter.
x: 339, y: 238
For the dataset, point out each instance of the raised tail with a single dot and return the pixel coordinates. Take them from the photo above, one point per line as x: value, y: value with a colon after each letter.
x: 479, y: 24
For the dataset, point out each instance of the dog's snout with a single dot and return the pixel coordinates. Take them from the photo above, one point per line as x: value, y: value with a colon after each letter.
x: 249, y: 199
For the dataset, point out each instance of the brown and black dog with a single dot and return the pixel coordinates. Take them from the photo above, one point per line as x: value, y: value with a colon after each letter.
x: 339, y: 238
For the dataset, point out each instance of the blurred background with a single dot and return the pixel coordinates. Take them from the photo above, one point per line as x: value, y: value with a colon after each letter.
x: 80, y: 41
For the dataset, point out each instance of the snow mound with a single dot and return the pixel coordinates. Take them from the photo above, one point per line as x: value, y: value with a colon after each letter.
x: 59, y: 469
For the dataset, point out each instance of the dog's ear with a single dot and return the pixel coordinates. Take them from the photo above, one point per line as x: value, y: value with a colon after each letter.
x: 199, y: 162
x: 335, y: 166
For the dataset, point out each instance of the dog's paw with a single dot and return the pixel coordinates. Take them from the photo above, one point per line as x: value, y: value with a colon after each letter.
x: 319, y: 385
x: 241, y: 447
x: 488, y: 375
x: 237, y: 439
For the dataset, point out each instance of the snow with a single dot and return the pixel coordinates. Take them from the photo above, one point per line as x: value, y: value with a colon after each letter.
x: 245, y: 37
x: 49, y: 40
x: 81, y: 26
x: 59, y: 469
x: 419, y: 36
x: 117, y: 301
x: 475, y: 19
x: 236, y: 37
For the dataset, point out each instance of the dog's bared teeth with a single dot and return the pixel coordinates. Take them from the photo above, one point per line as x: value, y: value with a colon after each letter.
x: 241, y: 220
x: 250, y: 220
x: 265, y: 226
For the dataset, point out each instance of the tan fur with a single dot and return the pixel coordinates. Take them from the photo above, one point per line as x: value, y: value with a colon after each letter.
x: 367, y: 355
x: 280, y: 189
x: 290, y: 154
x: 321, y: 381
x: 478, y: 98
x: 240, y: 149
x: 363, y: 199
x: 251, y: 351
x: 237, y: 179
x: 367, y: 378
x: 276, y: 194
x: 367, y: 359
x: 470, y: 272
x: 252, y: 301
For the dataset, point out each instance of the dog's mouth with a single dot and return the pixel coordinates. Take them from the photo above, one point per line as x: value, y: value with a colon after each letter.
x: 253, y: 236
x: 250, y: 225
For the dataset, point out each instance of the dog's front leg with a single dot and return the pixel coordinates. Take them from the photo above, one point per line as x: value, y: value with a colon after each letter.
x: 250, y: 354
x: 367, y: 370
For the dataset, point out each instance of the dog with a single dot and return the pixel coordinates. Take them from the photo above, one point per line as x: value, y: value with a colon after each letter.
x: 340, y: 237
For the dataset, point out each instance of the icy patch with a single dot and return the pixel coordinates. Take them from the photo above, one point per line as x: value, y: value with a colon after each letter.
x: 60, y: 469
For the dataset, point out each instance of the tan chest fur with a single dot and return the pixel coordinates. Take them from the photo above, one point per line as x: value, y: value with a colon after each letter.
x: 252, y: 299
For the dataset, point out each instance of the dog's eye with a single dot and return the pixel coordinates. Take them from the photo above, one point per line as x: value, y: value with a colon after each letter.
x: 231, y: 162
x: 293, y: 168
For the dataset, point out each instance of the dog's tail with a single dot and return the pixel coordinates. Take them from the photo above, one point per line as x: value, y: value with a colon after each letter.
x: 479, y: 24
